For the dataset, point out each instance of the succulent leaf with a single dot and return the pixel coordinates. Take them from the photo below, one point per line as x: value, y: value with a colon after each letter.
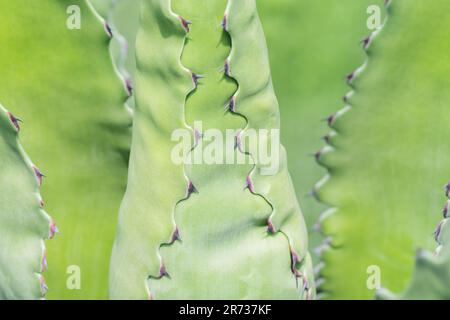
x: 24, y: 225
x: 62, y: 83
x: 206, y: 230
x: 389, y: 154
x: 122, y: 17
x: 307, y: 73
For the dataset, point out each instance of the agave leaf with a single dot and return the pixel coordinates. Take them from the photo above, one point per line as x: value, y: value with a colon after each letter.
x: 23, y: 222
x: 62, y: 83
x: 308, y: 72
x: 390, y: 152
x: 431, y: 277
x: 323, y: 56
x: 122, y: 17
x: 205, y: 231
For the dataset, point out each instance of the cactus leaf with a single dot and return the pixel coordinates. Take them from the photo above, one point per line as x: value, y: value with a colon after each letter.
x: 389, y: 154
x: 24, y: 225
x: 205, y: 231
x: 307, y: 74
x: 61, y: 81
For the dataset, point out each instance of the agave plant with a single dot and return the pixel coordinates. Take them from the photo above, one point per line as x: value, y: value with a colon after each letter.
x: 200, y: 71
x: 170, y: 212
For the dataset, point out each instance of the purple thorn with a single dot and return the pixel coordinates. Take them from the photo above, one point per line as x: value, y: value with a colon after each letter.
x: 366, y: 42
x: 185, y: 23
x: 330, y: 120
x: 129, y: 86
x: 295, y: 259
x: 232, y: 104
x: 191, y: 188
x: 39, y: 175
x: 163, y: 271
x: 225, y: 22
x: 350, y: 77
x: 175, y: 235
x: 238, y: 142
x: 108, y: 30
x: 270, y: 227
x: 15, y: 121
x: 447, y: 189
x: 227, y: 68
x: 445, y: 210
x: 44, y: 261
x: 327, y: 138
x: 317, y: 155
x: 53, y: 229
x: 196, y: 78
x: 250, y: 184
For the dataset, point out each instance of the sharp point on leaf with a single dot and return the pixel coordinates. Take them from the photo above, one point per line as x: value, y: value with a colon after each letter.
x: 44, y: 260
x: 270, y: 227
x: 163, y: 271
x: 366, y: 42
x: 39, y: 175
x: 195, y: 78
x: 185, y: 24
x: 43, y: 285
x: 330, y: 119
x: 175, y: 235
x: 226, y: 68
x: 15, y: 121
x: 53, y: 229
x: 232, y: 104
x: 225, y: 22
x: 108, y: 29
x: 447, y: 189
x: 445, y: 210
x: 350, y: 77
x: 250, y: 185
x: 129, y: 86
x: 191, y: 188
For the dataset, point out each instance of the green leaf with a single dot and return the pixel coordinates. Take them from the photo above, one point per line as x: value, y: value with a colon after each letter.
x: 61, y: 82
x: 205, y: 231
x: 313, y: 45
x: 390, y: 152
x: 23, y: 222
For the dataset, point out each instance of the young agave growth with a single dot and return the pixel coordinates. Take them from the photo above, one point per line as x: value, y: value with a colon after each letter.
x: 207, y: 231
x: 24, y: 225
